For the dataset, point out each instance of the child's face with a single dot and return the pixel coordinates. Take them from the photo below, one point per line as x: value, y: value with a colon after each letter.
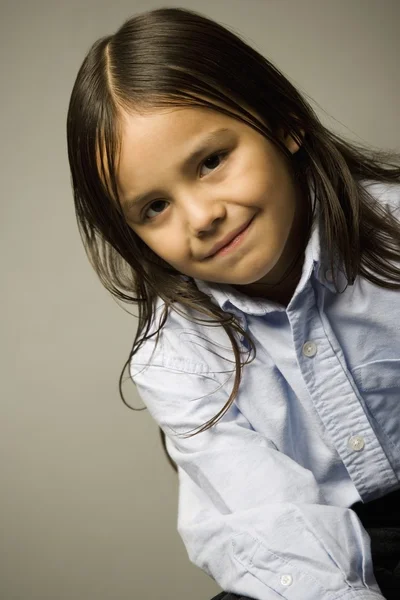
x: 238, y: 183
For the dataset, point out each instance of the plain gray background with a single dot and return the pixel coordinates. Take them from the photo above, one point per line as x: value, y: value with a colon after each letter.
x: 88, y: 501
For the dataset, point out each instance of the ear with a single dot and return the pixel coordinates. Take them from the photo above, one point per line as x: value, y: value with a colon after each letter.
x: 291, y: 144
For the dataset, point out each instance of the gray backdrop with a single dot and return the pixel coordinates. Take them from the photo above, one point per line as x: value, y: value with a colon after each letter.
x: 88, y: 501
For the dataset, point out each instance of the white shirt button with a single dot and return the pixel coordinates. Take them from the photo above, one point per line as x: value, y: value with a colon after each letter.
x: 286, y: 580
x: 310, y: 349
x: 329, y: 275
x: 356, y: 443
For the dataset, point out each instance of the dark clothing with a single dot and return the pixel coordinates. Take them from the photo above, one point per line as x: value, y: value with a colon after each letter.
x: 381, y: 519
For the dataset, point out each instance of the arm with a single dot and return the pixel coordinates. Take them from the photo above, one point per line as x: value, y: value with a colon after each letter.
x: 250, y: 516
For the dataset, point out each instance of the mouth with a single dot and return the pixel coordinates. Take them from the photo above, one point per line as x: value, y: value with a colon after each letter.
x: 229, y: 242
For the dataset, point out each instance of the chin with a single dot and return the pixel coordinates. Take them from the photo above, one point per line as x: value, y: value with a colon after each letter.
x: 255, y: 277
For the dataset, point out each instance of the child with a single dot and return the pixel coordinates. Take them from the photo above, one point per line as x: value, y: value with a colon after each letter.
x: 263, y: 252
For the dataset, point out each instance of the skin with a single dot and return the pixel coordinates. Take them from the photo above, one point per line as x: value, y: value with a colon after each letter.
x: 188, y: 209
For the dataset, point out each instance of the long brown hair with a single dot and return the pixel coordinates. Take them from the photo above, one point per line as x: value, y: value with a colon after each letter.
x: 175, y: 57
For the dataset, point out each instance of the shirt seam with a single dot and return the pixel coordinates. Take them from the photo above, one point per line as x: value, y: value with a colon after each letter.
x: 204, y: 375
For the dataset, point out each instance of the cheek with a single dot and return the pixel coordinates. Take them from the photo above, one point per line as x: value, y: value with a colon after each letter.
x: 256, y: 179
x: 168, y: 246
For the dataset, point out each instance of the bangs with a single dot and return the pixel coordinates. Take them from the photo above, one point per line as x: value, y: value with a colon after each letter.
x: 106, y: 150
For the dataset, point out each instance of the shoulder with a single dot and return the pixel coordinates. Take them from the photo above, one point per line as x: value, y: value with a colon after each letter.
x: 183, y: 345
x: 386, y: 194
x: 182, y: 376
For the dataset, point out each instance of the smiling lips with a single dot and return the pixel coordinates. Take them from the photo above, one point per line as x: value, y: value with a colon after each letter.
x: 230, y: 241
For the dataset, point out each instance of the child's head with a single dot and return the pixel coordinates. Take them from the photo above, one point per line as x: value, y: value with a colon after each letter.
x: 148, y: 97
x: 144, y: 99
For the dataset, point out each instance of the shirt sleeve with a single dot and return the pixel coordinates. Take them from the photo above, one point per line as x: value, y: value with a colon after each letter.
x: 250, y: 516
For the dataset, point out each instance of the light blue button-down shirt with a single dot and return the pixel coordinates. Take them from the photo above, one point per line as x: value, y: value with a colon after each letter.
x: 265, y: 494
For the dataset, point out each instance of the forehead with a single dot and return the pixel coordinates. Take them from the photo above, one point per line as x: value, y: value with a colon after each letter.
x: 155, y: 143
x: 145, y: 130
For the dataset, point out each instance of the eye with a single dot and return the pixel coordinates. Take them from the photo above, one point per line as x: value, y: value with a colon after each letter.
x: 158, y: 206
x: 214, y: 161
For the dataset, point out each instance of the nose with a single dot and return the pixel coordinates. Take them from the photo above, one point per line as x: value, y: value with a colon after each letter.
x: 203, y: 213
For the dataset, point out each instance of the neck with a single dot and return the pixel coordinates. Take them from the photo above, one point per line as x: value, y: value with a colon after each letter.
x: 282, y: 292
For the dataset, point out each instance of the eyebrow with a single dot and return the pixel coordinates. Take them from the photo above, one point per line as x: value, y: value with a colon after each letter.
x: 193, y: 157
